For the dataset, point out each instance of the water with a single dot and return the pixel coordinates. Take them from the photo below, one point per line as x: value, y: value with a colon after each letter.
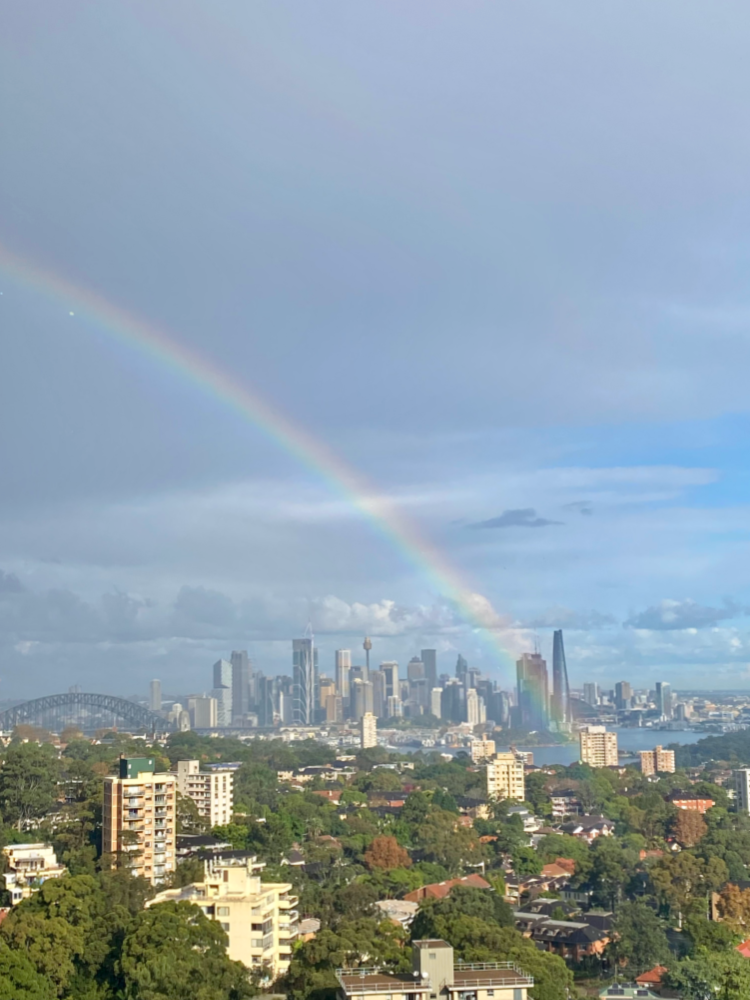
x: 627, y: 739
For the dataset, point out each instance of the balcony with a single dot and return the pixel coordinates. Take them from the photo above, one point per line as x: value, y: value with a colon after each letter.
x: 286, y: 902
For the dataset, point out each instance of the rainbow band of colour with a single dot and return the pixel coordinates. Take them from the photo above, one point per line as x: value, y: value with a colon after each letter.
x: 292, y: 438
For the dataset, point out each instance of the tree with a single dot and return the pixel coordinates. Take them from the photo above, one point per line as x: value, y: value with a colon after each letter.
x: 688, y: 827
x: 733, y: 906
x: 721, y: 975
x: 680, y: 878
x: 19, y: 979
x: 442, y: 840
x: 189, y: 820
x: 28, y: 782
x: 639, y: 940
x: 463, y: 901
x: 385, y: 853
x: 173, y: 951
x: 526, y: 861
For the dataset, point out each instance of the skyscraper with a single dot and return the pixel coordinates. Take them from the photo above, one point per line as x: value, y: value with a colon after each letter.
x: 533, y: 691
x: 623, y: 695
x: 390, y: 669
x: 305, y: 692
x: 222, y: 692
x: 154, y: 696
x: 664, y: 699
x: 343, y: 666
x: 429, y: 658
x: 241, y: 669
x: 591, y: 694
x: 561, y: 688
x: 461, y: 667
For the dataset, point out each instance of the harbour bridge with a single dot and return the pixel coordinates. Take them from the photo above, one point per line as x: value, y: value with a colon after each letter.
x: 91, y: 711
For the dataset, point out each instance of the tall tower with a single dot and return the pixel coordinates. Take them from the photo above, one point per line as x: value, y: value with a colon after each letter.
x: 343, y: 666
x: 560, y: 686
x: 429, y: 658
x: 222, y: 692
x: 367, y: 646
x: 533, y: 691
x: 154, y: 696
x: 305, y: 692
x: 241, y: 670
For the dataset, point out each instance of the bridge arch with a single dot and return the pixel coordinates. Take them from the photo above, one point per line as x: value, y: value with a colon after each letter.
x: 134, y: 715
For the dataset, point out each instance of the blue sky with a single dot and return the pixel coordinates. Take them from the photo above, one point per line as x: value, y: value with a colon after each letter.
x: 494, y: 255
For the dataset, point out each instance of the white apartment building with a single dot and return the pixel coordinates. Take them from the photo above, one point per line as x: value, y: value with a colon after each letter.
x: 139, y: 819
x: 368, y: 731
x: 212, y: 791
x: 505, y: 778
x: 28, y: 867
x: 260, y: 918
x: 598, y: 747
x: 742, y: 789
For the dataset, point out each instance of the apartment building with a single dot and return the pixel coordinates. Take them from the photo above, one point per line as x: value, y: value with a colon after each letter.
x: 139, y: 818
x: 598, y: 747
x: 28, y: 866
x: 260, y: 918
x: 482, y: 750
x: 657, y: 761
x: 368, y: 731
x: 436, y: 975
x: 505, y: 777
x: 742, y: 789
x: 212, y: 791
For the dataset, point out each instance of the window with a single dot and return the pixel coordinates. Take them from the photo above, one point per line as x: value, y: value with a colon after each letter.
x: 223, y: 911
x: 225, y: 927
x: 490, y: 993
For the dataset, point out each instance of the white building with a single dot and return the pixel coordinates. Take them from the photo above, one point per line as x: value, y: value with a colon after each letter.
x: 212, y: 791
x: 483, y: 749
x: 742, y: 789
x: 204, y: 712
x: 29, y: 866
x: 505, y: 778
x: 598, y: 747
x: 368, y: 731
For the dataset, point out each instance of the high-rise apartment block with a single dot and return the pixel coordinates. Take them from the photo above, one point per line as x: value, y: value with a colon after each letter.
x: 139, y: 821
x: 742, y: 789
x: 598, y: 747
x: 482, y: 750
x: 305, y: 691
x: 154, y: 696
x: 533, y: 691
x: 260, y: 918
x: 505, y: 778
x: 657, y: 761
x: 212, y: 791
x: 368, y: 731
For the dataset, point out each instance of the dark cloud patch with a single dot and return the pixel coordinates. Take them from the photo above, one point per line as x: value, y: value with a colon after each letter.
x: 582, y: 506
x: 10, y: 584
x: 524, y: 517
x: 672, y: 615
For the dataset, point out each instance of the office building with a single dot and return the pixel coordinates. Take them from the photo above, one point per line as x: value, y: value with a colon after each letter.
x: 591, y: 694
x: 657, y: 761
x: 305, y: 696
x: 222, y: 692
x: 362, y: 701
x: 326, y: 686
x: 560, y: 707
x: 139, y: 822
x: 343, y: 667
x: 623, y: 696
x: 462, y: 668
x: 241, y: 670
x: 334, y: 709
x: 394, y: 707
x: 389, y: 668
x: 436, y: 702
x: 212, y: 791
x: 663, y: 700
x: 204, y: 712
x: 429, y: 659
x: 436, y: 975
x: 27, y: 868
x: 598, y: 747
x: 368, y: 728
x: 379, y: 697
x: 505, y: 777
x: 154, y: 696
x: 533, y: 691
x: 260, y: 918
x: 742, y: 789
x: 472, y: 707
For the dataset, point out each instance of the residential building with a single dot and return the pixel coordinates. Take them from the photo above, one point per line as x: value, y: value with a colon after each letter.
x: 368, y: 731
x: 154, y: 696
x: 437, y: 975
x: 28, y: 866
x: 560, y: 707
x: 260, y: 918
x: 482, y: 750
x: 691, y: 802
x: 742, y: 789
x: 598, y: 747
x: 241, y: 673
x: 305, y: 692
x: 343, y: 666
x: 588, y: 828
x: 212, y: 791
x: 657, y: 761
x: 533, y: 691
x: 664, y: 700
x: 591, y: 694
x: 505, y: 778
x: 139, y: 818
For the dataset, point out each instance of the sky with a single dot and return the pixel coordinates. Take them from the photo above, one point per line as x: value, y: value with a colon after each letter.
x: 493, y: 256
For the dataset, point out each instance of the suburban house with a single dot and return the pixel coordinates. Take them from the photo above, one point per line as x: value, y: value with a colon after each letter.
x: 28, y: 866
x: 436, y: 976
x: 439, y: 890
x: 588, y: 828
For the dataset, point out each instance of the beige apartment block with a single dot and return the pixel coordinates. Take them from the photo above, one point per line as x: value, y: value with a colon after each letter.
x: 260, y: 918
x: 368, y: 731
x: 483, y: 749
x: 657, y: 760
x: 139, y: 822
x: 212, y: 791
x: 28, y: 866
x: 505, y: 778
x: 598, y: 747
x: 436, y: 975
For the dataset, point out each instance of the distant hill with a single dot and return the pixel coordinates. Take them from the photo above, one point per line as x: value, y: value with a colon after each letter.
x: 731, y: 747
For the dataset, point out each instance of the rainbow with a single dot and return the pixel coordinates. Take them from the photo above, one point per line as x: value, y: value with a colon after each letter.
x: 295, y: 440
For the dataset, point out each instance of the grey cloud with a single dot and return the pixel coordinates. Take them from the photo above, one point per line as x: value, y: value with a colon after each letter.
x: 582, y: 506
x: 559, y: 617
x: 672, y: 615
x: 525, y: 517
x: 10, y: 584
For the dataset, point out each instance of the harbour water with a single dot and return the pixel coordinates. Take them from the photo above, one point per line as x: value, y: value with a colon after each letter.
x: 627, y: 739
